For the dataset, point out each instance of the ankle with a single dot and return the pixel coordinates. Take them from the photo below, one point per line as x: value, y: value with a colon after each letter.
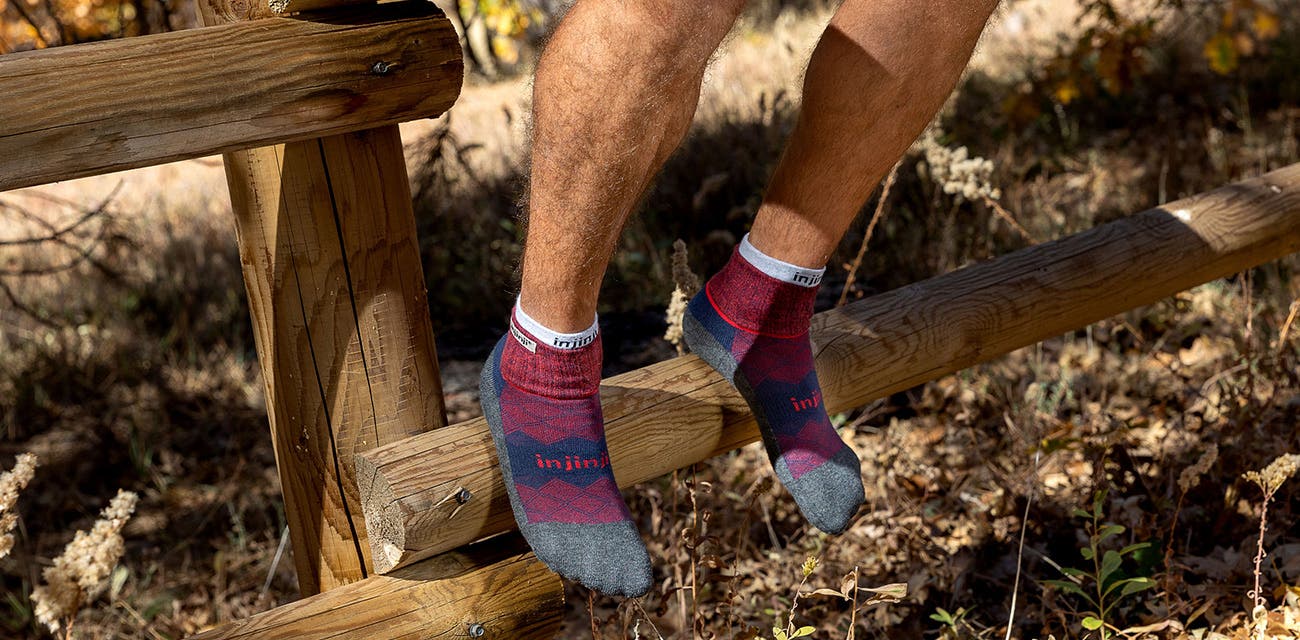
x: 551, y: 364
x: 563, y: 308
x: 771, y: 297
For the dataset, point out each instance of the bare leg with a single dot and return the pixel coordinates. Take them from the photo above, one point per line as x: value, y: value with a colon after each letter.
x: 881, y: 70
x: 880, y: 73
x: 613, y: 96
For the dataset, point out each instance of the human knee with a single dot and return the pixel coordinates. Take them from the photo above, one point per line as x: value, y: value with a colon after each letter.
x: 683, y: 29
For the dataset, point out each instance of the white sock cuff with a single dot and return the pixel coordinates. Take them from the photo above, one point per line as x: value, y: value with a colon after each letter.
x: 555, y: 339
x: 783, y: 271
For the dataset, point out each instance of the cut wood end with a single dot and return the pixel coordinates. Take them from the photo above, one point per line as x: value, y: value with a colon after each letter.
x: 383, y: 514
x: 386, y: 555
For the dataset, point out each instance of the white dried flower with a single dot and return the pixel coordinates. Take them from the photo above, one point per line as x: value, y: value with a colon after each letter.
x: 1277, y: 472
x: 1191, y: 475
x: 676, y: 315
x: 956, y: 171
x: 79, y: 574
x: 12, y: 483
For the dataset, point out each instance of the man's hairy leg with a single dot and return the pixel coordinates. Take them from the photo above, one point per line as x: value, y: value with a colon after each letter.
x: 614, y: 94
x: 880, y: 72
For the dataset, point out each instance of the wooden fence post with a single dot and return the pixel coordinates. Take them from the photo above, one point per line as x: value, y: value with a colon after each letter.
x: 340, y: 316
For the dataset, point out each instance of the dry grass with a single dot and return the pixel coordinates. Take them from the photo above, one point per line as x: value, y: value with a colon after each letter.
x: 137, y: 371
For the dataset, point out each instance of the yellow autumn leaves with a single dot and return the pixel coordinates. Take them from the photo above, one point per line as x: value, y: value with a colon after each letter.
x: 507, y: 20
x: 29, y: 24
x: 1111, y: 54
x: 1245, y: 28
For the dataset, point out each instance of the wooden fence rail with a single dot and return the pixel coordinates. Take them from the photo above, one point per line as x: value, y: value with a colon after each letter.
x: 495, y: 591
x: 120, y: 104
x: 675, y: 413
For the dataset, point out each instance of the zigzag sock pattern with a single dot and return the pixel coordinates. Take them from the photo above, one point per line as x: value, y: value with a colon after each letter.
x: 543, y: 408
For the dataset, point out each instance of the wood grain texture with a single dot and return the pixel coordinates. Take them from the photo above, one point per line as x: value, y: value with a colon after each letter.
x: 510, y: 594
x: 107, y: 106
x: 340, y: 316
x: 659, y: 418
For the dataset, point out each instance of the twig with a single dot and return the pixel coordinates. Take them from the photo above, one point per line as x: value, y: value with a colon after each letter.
x: 64, y: 36
x: 53, y: 235
x: 27, y: 17
x: 646, y: 616
x: 82, y: 255
x: 1257, y: 594
x: 752, y: 496
x: 767, y: 520
x: 1286, y: 326
x: 144, y: 624
x: 591, y: 614
x: 866, y: 236
x: 103, y: 203
x: 1009, y: 219
x: 58, y: 236
x: 1247, y: 304
x: 275, y: 562
x: 1205, y: 388
x: 695, y: 548
x: 680, y: 591
x: 1020, y: 551
x: 794, y: 602
x: 24, y: 309
x: 853, y: 611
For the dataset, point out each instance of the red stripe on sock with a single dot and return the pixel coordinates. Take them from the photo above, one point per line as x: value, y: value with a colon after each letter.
x: 722, y: 314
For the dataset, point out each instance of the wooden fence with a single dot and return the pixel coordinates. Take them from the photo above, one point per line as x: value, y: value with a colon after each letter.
x: 305, y: 107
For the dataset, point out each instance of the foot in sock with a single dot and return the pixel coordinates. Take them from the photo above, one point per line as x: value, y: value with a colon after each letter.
x: 750, y: 323
x: 540, y: 394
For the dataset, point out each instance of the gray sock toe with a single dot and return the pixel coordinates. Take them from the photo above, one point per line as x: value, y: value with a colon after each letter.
x: 608, y: 557
x: 830, y: 495
x: 613, y: 559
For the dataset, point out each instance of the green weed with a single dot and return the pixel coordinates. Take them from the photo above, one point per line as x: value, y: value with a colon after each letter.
x: 1105, y: 584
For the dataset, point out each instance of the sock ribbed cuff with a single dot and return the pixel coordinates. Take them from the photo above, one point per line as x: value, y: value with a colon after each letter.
x: 529, y: 362
x: 555, y: 339
x: 781, y: 270
x: 754, y: 301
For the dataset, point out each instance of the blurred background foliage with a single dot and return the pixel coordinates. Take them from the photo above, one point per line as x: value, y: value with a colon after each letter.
x: 499, y: 35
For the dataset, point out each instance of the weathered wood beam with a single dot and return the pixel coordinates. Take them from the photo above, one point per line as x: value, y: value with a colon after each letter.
x: 340, y: 316
x: 678, y: 412
x: 493, y: 588
x: 336, y: 291
x: 107, y: 106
